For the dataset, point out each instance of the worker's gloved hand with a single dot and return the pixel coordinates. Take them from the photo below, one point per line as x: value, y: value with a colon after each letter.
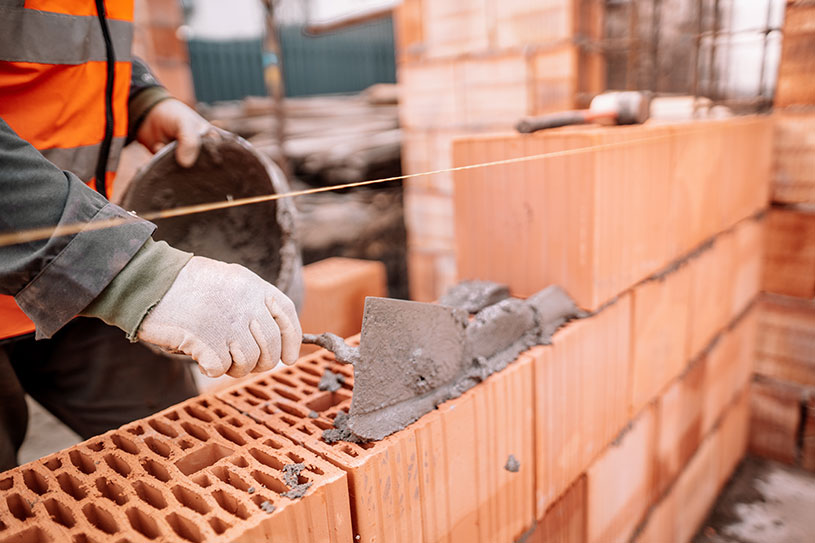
x: 172, y: 120
x: 225, y: 317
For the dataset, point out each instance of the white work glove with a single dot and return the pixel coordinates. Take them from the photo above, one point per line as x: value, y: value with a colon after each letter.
x: 225, y: 317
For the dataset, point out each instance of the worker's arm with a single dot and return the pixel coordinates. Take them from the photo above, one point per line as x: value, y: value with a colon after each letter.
x: 155, y: 118
x: 224, y: 316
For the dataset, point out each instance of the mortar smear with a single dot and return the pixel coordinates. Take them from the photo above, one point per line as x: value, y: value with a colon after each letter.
x: 331, y: 381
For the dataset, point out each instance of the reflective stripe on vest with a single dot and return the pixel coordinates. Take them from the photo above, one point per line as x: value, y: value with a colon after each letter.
x: 53, y: 78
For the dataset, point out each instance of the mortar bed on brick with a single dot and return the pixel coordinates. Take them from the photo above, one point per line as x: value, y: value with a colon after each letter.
x: 183, y: 474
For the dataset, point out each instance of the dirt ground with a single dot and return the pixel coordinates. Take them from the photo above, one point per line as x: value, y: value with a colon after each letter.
x: 764, y: 502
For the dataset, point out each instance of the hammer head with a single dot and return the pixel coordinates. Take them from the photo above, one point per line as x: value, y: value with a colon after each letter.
x: 631, y: 107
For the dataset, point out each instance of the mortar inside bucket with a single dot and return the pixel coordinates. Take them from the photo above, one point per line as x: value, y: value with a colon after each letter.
x: 258, y: 236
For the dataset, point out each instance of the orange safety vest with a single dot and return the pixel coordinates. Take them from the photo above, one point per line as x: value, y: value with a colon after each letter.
x: 64, y: 83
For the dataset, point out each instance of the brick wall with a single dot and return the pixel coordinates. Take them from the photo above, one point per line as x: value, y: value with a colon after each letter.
x: 784, y: 385
x: 474, y: 66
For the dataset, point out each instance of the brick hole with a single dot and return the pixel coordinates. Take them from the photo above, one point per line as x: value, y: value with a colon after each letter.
x: 258, y: 499
x: 220, y: 413
x: 269, y: 482
x: 234, y: 422
x: 124, y: 444
x: 185, y: 444
x: 326, y: 401
x: 322, y: 425
x: 162, y: 427
x: 53, y: 463
x: 311, y: 371
x: 96, y: 447
x: 60, y: 513
x: 82, y: 461
x: 310, y: 381
x: 158, y: 446
x: 2, y: 526
x: 136, y: 430
x: 257, y: 393
x: 149, y: 495
x: 294, y: 410
x: 201, y: 480
x: 271, y: 442
x: 288, y: 420
x: 100, y: 518
x: 254, y: 434
x: 349, y: 451
x: 35, y: 482
x: 111, y: 491
x: 305, y: 430
x: 204, y: 403
x: 230, y: 478
x: 266, y: 459
x: 252, y: 402
x: 367, y: 446
x: 19, y: 507
x: 204, y: 457
x: 240, y: 462
x: 143, y: 523
x: 31, y: 535
x: 287, y: 394
x: 230, y: 504
x: 230, y: 434
x: 190, y: 500
x: 184, y: 527
x: 297, y: 459
x: 218, y: 525
x: 195, y: 431
x: 283, y: 381
x: 172, y: 415
x: 198, y: 413
x: 308, y: 391
x: 315, y: 470
x: 156, y: 470
x: 71, y: 486
x: 82, y: 538
x: 6, y: 483
x: 118, y: 465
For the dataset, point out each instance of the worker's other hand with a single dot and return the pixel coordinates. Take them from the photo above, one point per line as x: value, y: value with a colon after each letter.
x: 173, y: 120
x: 225, y: 317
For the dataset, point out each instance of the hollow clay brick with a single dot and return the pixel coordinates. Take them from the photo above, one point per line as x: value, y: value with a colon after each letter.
x: 519, y: 23
x: 797, y: 66
x: 565, y: 520
x: 659, y: 334
x: 596, y: 222
x: 679, y: 426
x: 621, y: 482
x: 775, y: 419
x: 711, y: 292
x: 198, y: 471
x: 794, y: 157
x: 748, y: 251
x: 440, y: 479
x: 786, y: 339
x: 335, y: 295
x: 408, y: 30
x: 735, y: 429
x: 455, y: 28
x: 581, y: 397
x: 789, y: 261
x: 808, y: 441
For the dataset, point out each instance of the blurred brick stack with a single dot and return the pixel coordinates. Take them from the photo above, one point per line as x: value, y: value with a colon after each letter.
x: 783, y: 402
x: 156, y: 41
x: 479, y: 65
x: 624, y: 428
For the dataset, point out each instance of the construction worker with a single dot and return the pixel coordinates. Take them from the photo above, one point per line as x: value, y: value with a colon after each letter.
x: 70, y: 98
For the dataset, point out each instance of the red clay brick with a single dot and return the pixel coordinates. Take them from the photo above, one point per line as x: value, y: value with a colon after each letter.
x: 565, y: 520
x: 408, y: 30
x: 786, y: 339
x: 519, y: 23
x: 197, y: 471
x: 808, y: 442
x: 660, y: 525
x: 794, y: 158
x: 789, y: 265
x: 711, y: 292
x: 621, y: 482
x: 441, y: 477
x: 680, y: 411
x: 696, y: 489
x: 748, y: 252
x: 659, y: 334
x: 588, y: 234
x: 335, y: 295
x: 455, y: 28
x: 581, y: 397
x: 735, y: 430
x: 775, y: 420
x: 797, y: 66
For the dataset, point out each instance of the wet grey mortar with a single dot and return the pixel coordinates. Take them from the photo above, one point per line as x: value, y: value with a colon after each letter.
x: 512, y: 465
x: 331, y: 381
x: 291, y: 474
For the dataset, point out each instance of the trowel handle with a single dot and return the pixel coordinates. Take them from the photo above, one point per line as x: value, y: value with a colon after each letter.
x: 553, y: 120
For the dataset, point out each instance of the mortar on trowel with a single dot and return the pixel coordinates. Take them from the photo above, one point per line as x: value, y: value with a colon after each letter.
x: 412, y: 356
x: 260, y: 236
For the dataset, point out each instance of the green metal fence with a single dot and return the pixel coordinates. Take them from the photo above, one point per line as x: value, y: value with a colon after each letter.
x: 342, y: 61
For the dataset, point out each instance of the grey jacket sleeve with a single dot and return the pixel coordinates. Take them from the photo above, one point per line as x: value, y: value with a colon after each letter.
x: 54, y: 279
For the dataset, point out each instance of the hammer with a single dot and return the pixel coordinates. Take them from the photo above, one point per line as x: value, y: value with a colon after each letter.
x: 622, y: 107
